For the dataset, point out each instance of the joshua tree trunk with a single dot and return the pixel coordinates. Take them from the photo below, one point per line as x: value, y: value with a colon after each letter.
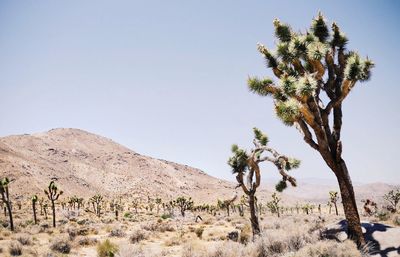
x: 253, y: 215
x: 349, y: 204
x: 34, y: 212
x: 8, y: 204
x: 53, y: 208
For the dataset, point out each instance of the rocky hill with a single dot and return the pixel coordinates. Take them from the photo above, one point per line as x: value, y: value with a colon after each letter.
x: 84, y: 164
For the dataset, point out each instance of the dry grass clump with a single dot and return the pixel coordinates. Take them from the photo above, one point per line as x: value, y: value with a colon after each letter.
x: 15, y: 248
x: 61, y: 245
x: 137, y: 236
x: 24, y: 239
x: 158, y: 226
x: 107, y: 249
x: 199, y: 232
x: 329, y: 248
x: 396, y: 219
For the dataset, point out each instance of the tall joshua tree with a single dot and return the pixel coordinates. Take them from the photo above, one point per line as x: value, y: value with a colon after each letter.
x: 244, y: 163
x: 313, y: 67
x: 53, y: 194
x: 5, y: 197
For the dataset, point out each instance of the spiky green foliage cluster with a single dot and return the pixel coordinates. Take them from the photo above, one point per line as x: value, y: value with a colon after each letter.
x: 288, y: 111
x: 282, y: 31
x: 261, y: 137
x: 292, y: 163
x: 296, y: 60
x: 358, y: 69
x: 282, y: 185
x: 238, y: 161
x: 260, y: 86
x: 4, y: 184
x: 319, y: 28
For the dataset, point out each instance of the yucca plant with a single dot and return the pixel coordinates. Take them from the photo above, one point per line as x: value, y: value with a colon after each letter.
x: 333, y: 198
x: 5, y: 197
x: 34, y: 201
x: 53, y: 194
x: 316, y: 73
x: 245, y: 163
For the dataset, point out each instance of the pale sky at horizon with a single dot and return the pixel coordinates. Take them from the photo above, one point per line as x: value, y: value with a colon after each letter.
x: 168, y: 78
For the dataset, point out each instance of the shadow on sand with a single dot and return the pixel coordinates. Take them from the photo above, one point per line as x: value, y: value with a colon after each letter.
x: 373, y: 244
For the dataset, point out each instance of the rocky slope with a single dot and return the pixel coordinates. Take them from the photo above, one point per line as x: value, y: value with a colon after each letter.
x: 85, y: 164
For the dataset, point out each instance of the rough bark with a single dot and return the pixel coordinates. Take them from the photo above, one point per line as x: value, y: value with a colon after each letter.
x: 253, y: 216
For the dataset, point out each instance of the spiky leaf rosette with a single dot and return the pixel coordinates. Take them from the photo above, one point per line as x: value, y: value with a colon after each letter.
x: 288, y: 85
x: 317, y: 50
x: 339, y: 39
x: 357, y: 69
x: 282, y: 31
x: 306, y: 86
x: 282, y: 185
x: 262, y: 87
x: 288, y: 111
x: 260, y: 137
x: 269, y: 57
x: 238, y: 161
x: 292, y: 163
x: 319, y: 28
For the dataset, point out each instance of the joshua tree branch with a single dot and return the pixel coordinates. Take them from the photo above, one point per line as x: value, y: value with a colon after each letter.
x: 308, y: 138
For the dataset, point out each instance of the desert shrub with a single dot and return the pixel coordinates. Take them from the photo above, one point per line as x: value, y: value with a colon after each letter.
x: 106, y: 249
x: 156, y: 226
x: 199, y: 232
x: 24, y: 239
x: 329, y: 248
x: 165, y: 216
x: 72, y: 233
x: 61, y: 245
x: 86, y: 241
x: 245, y: 234
x: 128, y: 215
x: 15, y: 248
x: 117, y: 232
x: 137, y: 236
x: 396, y: 220
x: 175, y: 240
x: 383, y: 215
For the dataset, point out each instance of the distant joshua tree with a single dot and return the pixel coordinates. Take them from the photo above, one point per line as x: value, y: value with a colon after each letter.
x: 226, y: 204
x: 313, y: 67
x: 333, y: 198
x: 5, y: 197
x: 184, y: 204
x: 96, y: 202
x: 244, y: 163
x: 34, y: 201
x: 273, y: 205
x: 53, y: 194
x: 393, y: 197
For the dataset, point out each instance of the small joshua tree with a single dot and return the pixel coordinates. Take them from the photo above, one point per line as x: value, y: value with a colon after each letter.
x: 273, y: 205
x: 393, y: 197
x: 243, y: 163
x: 5, y: 197
x: 96, y: 201
x: 313, y: 67
x: 158, y: 203
x: 226, y: 204
x: 34, y: 201
x: 53, y: 194
x: 184, y: 204
x: 333, y: 198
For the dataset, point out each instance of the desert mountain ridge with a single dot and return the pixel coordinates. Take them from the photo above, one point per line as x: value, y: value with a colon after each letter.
x: 84, y: 164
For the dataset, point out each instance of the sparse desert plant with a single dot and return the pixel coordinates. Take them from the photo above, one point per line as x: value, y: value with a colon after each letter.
x: 243, y: 163
x: 307, y: 66
x: 15, y: 248
x: 96, y: 202
x: 117, y: 232
x: 184, y: 204
x: 86, y: 241
x: 5, y: 197
x: 106, y: 249
x: 24, y: 239
x: 137, y: 236
x: 273, y: 205
x: 61, y: 245
x: 199, y: 232
x: 333, y: 198
x: 53, y: 194
x: 393, y: 197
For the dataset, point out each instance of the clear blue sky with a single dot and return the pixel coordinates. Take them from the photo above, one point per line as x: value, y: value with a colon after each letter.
x: 168, y: 78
